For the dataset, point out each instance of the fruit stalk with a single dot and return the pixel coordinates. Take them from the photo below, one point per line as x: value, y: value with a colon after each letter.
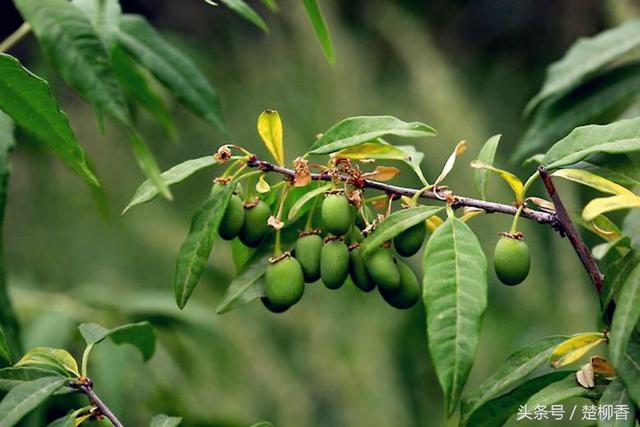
x: 566, y: 228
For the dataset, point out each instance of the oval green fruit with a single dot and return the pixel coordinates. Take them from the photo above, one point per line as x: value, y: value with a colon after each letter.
x: 410, y: 241
x: 358, y: 271
x: 337, y: 215
x: 284, y: 283
x: 511, y: 260
x: 232, y: 220
x: 409, y: 291
x: 382, y: 269
x: 334, y: 264
x: 273, y: 308
x: 255, y: 224
x: 308, y: 249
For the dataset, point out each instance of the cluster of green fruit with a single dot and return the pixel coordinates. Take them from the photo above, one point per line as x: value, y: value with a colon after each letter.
x: 331, y: 259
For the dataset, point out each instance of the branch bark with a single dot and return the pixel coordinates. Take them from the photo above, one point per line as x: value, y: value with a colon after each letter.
x: 87, y: 388
x: 567, y: 228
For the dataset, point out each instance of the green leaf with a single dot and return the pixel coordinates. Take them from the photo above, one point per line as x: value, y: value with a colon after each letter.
x: 487, y: 155
x: 147, y: 163
x: 587, y: 57
x: 58, y: 359
x: 12, y: 377
x: 28, y: 100
x: 104, y: 15
x: 320, y: 27
x: 514, y: 182
x: 628, y: 369
x: 591, y: 180
x: 598, y: 101
x: 136, y: 82
x: 24, y: 398
x: 562, y: 390
x: 357, y: 130
x: 247, y: 286
x: 244, y: 10
x: 147, y: 191
x: 618, y: 168
x: 414, y: 160
x: 515, y: 369
x: 497, y: 411
x: 616, y: 394
x: 298, y: 206
x: 5, y: 353
x: 141, y: 335
x: 263, y: 424
x: 271, y: 4
x: 194, y: 252
x: 626, y: 316
x: 75, y: 50
x: 614, y: 277
x: 173, y: 69
x: 455, y: 298
x: 162, y: 420
x: 574, y: 347
x: 68, y: 420
x: 619, y: 137
x: 395, y: 224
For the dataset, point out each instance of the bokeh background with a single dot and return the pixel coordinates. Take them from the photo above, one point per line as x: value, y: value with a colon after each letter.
x: 339, y: 358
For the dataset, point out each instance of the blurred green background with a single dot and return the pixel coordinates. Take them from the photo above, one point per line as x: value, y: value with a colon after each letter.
x: 339, y: 358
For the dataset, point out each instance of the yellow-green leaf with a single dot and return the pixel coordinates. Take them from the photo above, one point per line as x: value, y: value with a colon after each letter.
x: 451, y: 161
x: 574, y: 348
x: 513, y: 181
x: 270, y: 130
x: 603, y: 205
x: 59, y: 359
x: 262, y: 186
x: 591, y: 180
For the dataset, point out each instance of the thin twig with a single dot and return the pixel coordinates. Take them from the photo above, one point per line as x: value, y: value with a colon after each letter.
x: 567, y: 228
x: 439, y: 195
x: 87, y: 388
x: 15, y: 37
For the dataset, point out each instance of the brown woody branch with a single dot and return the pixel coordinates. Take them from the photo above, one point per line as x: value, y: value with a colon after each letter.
x: 86, y: 386
x: 568, y: 229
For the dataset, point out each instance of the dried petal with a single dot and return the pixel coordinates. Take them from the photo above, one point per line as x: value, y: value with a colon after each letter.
x: 223, y: 154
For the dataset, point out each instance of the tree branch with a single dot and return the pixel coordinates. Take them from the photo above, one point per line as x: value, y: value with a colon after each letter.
x: 87, y: 388
x: 439, y: 195
x: 567, y: 228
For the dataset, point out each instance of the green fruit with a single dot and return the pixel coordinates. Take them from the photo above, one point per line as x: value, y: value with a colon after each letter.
x: 273, y: 308
x: 382, y: 269
x: 334, y: 264
x: 284, y: 283
x: 255, y: 224
x: 511, y: 260
x: 355, y: 235
x: 308, y: 250
x: 232, y: 220
x: 358, y: 272
x: 360, y: 221
x: 408, y: 293
x: 410, y: 241
x: 337, y: 215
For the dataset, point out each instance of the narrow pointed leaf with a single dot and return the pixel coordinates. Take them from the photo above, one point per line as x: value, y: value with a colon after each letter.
x: 628, y: 368
x: 74, y: 48
x: 513, y: 371
x: 574, y: 347
x: 616, y: 395
x: 24, y: 398
x: 451, y: 161
x: 395, y: 224
x: 513, y: 181
x: 562, y: 390
x: 626, y: 316
x: 247, y: 286
x: 147, y: 191
x: 487, y: 155
x: 27, y: 99
x: 270, y: 130
x: 320, y: 27
x: 68, y: 420
x: 177, y: 72
x: 194, y: 252
x: 622, y: 136
x: 162, y: 420
x: 602, y: 205
x: 618, y: 168
x: 303, y: 201
x: 104, y: 15
x: 5, y: 353
x: 147, y: 163
x: 497, y: 411
x: 141, y: 335
x: 455, y: 298
x: 591, y: 180
x: 12, y: 377
x: 587, y: 57
x: 244, y: 10
x: 357, y: 130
